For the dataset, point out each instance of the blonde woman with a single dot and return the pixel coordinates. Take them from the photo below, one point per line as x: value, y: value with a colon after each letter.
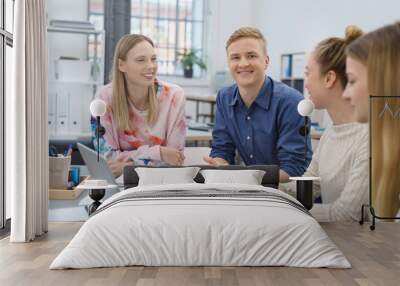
x: 145, y: 117
x: 373, y: 68
x: 341, y: 159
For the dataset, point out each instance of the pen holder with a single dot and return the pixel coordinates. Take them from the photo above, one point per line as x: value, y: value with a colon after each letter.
x: 58, y: 172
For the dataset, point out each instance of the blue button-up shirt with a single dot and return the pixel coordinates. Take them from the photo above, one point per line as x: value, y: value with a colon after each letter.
x: 265, y: 133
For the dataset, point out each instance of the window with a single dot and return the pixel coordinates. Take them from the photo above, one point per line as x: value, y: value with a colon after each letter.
x: 96, y: 17
x: 6, y: 43
x: 173, y: 25
x: 9, y: 15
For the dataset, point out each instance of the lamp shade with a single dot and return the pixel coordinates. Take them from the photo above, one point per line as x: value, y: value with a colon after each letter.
x: 305, y: 107
x: 98, y: 107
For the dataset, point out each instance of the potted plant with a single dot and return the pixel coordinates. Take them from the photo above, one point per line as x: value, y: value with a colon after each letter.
x: 189, y: 58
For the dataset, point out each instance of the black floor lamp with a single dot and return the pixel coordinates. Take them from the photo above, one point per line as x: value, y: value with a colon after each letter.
x: 98, y: 108
x: 396, y: 116
x: 304, y: 185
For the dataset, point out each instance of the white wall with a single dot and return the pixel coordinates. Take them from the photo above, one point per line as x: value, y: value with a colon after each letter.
x: 224, y: 17
x: 298, y: 25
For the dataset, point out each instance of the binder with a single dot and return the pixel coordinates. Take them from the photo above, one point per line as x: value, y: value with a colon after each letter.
x: 287, y: 66
x: 75, y: 111
x: 62, y: 112
x: 51, y: 121
x: 52, y: 113
x: 298, y: 65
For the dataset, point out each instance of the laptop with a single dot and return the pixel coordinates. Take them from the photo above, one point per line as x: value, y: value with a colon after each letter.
x: 97, y: 170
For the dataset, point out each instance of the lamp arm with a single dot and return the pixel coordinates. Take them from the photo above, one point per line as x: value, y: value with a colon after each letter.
x: 305, y: 137
x: 98, y: 135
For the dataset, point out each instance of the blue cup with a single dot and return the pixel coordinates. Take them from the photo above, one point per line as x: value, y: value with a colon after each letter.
x: 75, y: 175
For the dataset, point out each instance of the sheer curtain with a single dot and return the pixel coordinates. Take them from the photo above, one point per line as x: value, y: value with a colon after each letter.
x: 26, y: 119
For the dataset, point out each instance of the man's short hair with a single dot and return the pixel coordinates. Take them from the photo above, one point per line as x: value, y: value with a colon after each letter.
x: 247, y: 32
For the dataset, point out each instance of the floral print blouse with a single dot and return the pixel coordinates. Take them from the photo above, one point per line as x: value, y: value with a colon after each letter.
x: 143, y: 143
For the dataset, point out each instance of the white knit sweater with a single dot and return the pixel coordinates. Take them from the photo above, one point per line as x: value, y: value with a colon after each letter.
x: 341, y: 161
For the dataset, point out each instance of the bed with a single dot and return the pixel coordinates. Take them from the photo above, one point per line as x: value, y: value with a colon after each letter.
x: 201, y: 224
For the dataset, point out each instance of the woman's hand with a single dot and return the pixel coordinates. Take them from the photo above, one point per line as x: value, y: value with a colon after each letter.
x: 172, y: 156
x: 117, y: 166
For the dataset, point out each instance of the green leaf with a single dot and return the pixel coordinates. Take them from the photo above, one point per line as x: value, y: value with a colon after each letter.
x: 189, y: 58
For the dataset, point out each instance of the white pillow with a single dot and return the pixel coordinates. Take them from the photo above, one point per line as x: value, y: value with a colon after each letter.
x: 165, y: 176
x: 249, y: 177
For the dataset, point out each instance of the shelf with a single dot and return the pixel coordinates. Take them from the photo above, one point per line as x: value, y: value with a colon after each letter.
x: 70, y: 136
x: 73, y: 83
x: 77, y: 82
x: 187, y: 82
x: 292, y: 78
x: 295, y: 53
x: 74, y: 31
x: 292, y: 67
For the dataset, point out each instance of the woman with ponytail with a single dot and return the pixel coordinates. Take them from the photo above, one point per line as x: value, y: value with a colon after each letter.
x: 341, y: 159
x: 145, y: 118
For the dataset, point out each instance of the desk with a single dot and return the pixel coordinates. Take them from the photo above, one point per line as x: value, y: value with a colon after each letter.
x: 316, y: 133
x: 197, y: 135
x: 210, y: 99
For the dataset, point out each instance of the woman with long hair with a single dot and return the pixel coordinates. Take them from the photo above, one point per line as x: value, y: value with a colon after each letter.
x: 145, y: 118
x: 373, y: 70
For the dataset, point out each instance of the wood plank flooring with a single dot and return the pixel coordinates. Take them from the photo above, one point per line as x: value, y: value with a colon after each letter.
x: 374, y: 255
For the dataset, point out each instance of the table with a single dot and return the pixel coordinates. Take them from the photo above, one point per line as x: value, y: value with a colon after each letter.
x: 210, y: 99
x: 316, y: 133
x: 197, y: 135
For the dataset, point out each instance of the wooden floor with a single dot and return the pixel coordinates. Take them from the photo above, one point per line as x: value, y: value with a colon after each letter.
x: 374, y: 255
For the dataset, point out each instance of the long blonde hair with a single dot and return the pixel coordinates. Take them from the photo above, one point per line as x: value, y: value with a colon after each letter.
x: 120, y: 104
x: 379, y: 51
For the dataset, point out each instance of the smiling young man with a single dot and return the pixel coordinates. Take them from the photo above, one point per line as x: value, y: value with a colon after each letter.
x: 257, y: 116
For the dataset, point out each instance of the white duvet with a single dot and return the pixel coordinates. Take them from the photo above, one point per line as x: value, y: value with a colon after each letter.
x: 200, y: 231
